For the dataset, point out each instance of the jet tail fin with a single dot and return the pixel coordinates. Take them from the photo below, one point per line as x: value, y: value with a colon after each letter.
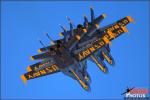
x: 82, y: 83
x: 100, y: 64
x: 92, y: 14
x: 106, y: 54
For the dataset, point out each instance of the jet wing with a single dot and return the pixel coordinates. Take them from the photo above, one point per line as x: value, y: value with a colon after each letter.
x: 122, y: 22
x: 97, y: 44
x: 35, y: 74
x: 115, y: 28
x: 107, y: 34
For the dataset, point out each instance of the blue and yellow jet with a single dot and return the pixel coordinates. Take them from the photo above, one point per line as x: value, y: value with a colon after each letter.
x: 70, y: 54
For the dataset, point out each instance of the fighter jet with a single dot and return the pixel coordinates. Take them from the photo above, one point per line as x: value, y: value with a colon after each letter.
x: 70, y: 54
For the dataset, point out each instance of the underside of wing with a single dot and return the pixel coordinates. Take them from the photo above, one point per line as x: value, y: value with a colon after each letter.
x: 35, y: 74
x: 98, y: 44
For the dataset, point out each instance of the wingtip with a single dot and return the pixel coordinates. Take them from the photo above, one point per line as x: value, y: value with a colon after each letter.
x: 60, y: 34
x: 23, y: 79
x: 31, y: 58
x: 104, y: 15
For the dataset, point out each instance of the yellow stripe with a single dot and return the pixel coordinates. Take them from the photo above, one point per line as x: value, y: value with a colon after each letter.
x: 23, y: 78
x: 78, y: 37
x: 81, y: 82
x: 99, y: 65
x: 31, y: 58
x: 107, y: 58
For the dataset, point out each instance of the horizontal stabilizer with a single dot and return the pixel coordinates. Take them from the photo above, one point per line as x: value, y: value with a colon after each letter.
x: 42, y: 56
x: 120, y: 23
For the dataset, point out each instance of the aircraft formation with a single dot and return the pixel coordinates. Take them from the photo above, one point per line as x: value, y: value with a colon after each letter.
x: 70, y: 54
